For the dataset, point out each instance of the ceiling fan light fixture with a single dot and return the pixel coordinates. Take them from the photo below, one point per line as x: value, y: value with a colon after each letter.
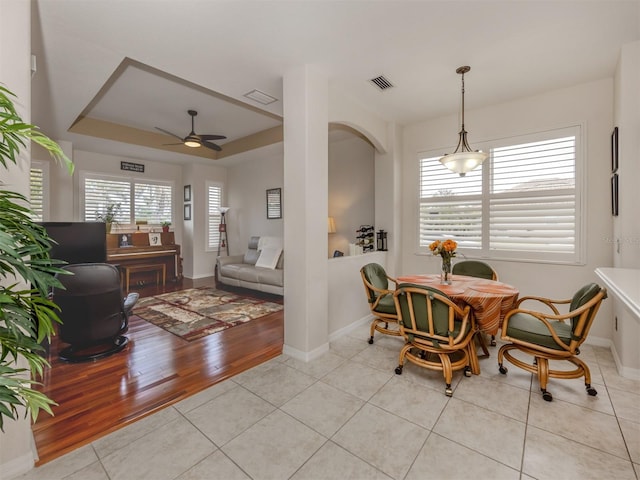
x: 192, y: 142
x: 463, y: 159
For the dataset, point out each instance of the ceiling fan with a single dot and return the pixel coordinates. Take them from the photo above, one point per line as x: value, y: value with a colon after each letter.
x: 194, y: 140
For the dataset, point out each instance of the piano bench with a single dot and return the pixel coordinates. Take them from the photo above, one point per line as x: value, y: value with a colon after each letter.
x: 159, y: 268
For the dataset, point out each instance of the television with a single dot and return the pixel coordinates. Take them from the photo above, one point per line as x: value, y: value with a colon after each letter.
x: 78, y: 242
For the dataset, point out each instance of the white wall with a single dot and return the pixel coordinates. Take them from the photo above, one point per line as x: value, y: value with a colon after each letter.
x: 351, y: 190
x: 247, y: 197
x: 587, y: 104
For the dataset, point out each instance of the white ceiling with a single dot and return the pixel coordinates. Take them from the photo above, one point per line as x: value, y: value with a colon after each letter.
x: 515, y: 49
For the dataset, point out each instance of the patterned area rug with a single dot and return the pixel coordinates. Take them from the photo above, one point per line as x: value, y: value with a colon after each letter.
x: 198, y: 312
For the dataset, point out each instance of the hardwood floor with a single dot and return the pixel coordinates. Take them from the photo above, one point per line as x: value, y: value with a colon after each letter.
x: 155, y: 370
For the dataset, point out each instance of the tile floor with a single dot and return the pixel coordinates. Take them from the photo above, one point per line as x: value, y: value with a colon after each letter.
x: 347, y: 415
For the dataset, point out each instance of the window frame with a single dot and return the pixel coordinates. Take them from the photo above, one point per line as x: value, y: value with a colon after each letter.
x: 132, y: 181
x: 210, y: 220
x: 46, y: 179
x: 485, y: 251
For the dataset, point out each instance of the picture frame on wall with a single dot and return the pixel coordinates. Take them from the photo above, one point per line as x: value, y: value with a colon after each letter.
x: 614, y: 195
x: 274, y: 203
x: 187, y: 211
x: 187, y: 193
x: 614, y: 150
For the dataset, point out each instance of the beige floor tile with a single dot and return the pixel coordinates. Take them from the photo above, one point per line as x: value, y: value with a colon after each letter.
x: 348, y: 346
x: 631, y: 434
x: 574, y: 391
x: 582, y: 425
x: 429, y: 378
x: 274, y: 448
x: 549, y: 456
x: 391, y: 342
x: 323, y: 408
x: 613, y: 380
x: 228, y: 415
x: 495, y: 396
x: 64, y: 466
x: 204, y: 396
x: 95, y: 471
x: 442, y: 458
x: 332, y: 462
x: 626, y: 404
x: 278, y: 383
x: 384, y: 359
x: 382, y: 439
x: 164, y: 453
x: 357, y: 379
x: 416, y: 403
x: 216, y: 466
x: 515, y: 376
x: 121, y: 438
x: 496, y: 436
x: 319, y: 367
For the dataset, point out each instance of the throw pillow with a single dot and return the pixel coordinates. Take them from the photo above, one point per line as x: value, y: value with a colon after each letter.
x: 269, y: 257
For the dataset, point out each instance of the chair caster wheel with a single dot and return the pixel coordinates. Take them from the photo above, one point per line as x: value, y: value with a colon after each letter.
x: 448, y: 391
x: 467, y: 371
x: 547, y: 396
x: 370, y: 341
x: 592, y: 391
x: 399, y: 370
x: 503, y: 370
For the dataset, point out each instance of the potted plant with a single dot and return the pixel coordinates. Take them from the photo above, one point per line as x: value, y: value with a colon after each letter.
x: 109, y: 216
x: 165, y: 226
x: 27, y: 315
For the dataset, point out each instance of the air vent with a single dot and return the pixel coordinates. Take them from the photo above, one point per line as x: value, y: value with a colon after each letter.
x: 381, y: 82
x: 260, y: 97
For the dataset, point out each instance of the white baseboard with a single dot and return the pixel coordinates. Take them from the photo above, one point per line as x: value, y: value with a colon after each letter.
x: 305, y: 356
x: 599, y: 342
x: 17, y: 466
x: 349, y: 328
x: 626, y: 372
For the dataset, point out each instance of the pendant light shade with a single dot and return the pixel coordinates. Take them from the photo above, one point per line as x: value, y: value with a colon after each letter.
x: 463, y: 159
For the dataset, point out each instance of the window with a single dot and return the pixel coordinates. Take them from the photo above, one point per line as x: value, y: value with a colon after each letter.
x: 524, y: 203
x: 152, y: 200
x: 39, y: 191
x: 214, y: 202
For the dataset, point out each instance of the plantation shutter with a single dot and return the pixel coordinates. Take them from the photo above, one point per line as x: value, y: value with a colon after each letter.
x: 450, y: 205
x: 36, y: 181
x: 153, y: 203
x: 100, y: 193
x: 214, y: 202
x: 533, y: 197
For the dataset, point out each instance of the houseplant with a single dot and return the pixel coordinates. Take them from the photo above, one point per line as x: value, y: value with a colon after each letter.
x: 109, y: 216
x: 165, y: 226
x: 27, y: 315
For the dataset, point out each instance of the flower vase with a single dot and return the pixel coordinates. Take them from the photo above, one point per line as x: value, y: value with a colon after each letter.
x: 445, y: 273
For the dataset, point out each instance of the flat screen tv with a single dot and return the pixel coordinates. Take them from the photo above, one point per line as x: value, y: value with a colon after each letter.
x: 78, y: 242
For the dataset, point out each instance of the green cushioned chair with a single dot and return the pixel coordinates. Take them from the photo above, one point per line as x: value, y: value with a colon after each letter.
x: 380, y: 298
x: 474, y: 268
x: 438, y: 333
x: 551, y: 335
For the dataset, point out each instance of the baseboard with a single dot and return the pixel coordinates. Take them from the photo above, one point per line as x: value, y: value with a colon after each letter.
x: 349, y: 328
x: 599, y: 342
x: 305, y: 356
x: 626, y: 372
x: 17, y: 466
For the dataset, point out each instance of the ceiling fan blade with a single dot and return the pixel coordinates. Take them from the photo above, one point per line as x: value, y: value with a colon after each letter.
x: 212, y: 137
x: 169, y: 133
x: 212, y: 146
x: 166, y: 144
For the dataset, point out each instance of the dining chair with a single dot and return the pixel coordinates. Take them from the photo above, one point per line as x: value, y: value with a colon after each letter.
x: 438, y: 333
x: 478, y: 269
x: 380, y: 298
x: 547, y: 334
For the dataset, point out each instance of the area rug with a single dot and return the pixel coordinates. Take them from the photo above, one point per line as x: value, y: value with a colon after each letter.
x: 197, y: 312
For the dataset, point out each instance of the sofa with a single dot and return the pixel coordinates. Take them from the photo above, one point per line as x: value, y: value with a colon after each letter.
x: 260, y: 268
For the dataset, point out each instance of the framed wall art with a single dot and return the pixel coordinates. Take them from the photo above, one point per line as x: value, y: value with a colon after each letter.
x: 614, y: 194
x: 187, y: 211
x: 274, y: 203
x: 187, y: 193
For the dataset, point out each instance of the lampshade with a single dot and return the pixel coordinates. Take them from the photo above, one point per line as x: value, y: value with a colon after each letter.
x: 463, y: 159
x: 192, y: 143
x: 223, y: 210
x: 331, y: 225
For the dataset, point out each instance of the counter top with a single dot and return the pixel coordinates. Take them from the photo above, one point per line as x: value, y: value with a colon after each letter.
x: 624, y: 283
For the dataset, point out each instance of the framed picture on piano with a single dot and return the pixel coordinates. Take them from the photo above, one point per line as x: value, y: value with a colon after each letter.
x: 155, y: 239
x: 125, y: 240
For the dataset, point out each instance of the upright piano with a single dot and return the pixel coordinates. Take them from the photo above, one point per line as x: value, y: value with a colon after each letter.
x: 140, y: 252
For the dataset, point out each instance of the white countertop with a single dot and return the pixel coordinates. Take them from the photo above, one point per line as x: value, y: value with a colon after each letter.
x: 624, y: 283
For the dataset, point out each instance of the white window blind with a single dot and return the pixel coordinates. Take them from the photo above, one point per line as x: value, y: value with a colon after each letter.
x: 150, y: 201
x: 523, y: 203
x: 37, y: 193
x: 214, y: 202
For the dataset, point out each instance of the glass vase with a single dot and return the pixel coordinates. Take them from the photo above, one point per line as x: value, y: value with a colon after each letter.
x: 445, y: 273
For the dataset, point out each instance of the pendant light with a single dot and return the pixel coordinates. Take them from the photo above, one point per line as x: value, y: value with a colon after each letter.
x: 463, y: 159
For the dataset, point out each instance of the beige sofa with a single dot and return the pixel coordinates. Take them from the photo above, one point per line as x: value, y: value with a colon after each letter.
x: 242, y: 271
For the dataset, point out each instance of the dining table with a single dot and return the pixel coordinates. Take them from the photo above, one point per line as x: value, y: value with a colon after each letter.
x: 490, y: 300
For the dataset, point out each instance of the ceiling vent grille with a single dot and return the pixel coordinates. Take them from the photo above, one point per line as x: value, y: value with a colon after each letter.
x: 260, y: 97
x: 381, y: 82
